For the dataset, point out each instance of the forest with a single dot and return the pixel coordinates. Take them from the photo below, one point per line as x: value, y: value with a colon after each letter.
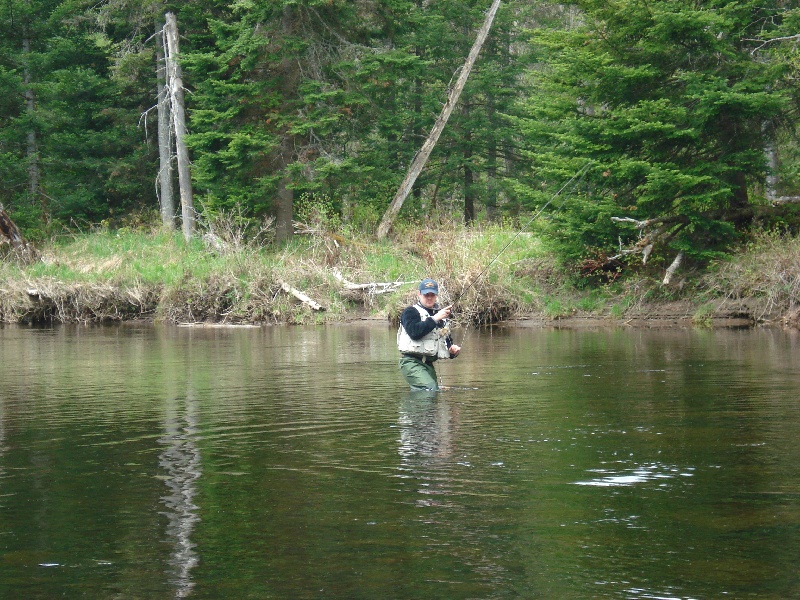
x: 634, y: 132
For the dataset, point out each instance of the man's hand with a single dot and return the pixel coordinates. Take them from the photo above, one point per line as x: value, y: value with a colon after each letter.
x: 443, y: 313
x: 454, y: 350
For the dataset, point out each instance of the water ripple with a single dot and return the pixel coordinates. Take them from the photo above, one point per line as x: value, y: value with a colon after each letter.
x: 637, y: 474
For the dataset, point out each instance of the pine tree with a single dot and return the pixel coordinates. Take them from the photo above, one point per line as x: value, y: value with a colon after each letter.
x: 669, y: 101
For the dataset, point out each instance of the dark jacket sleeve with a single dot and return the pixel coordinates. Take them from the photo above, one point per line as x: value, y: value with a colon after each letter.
x: 414, y: 325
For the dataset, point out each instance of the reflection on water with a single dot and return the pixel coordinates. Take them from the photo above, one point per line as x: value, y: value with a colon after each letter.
x: 180, y: 461
x: 636, y: 474
x: 426, y: 427
x: 149, y: 462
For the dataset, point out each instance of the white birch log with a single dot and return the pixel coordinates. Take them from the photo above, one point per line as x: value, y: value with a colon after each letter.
x: 372, y: 287
x: 672, y: 268
x: 300, y: 296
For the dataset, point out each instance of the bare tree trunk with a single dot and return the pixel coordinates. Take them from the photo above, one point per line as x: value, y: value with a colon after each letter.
x: 165, y: 198
x: 284, y: 198
x: 175, y: 81
x: 30, y: 108
x: 469, y: 183
x: 672, y: 268
x: 491, y: 168
x: 422, y: 156
x: 771, y: 156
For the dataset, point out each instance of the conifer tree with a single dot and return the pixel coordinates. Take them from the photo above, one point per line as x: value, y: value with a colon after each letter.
x: 669, y: 100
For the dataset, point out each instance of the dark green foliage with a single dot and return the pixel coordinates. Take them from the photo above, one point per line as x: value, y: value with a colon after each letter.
x: 89, y: 149
x: 671, y: 103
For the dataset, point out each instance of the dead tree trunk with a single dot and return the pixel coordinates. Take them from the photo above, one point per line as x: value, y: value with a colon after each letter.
x: 175, y: 82
x: 166, y: 199
x: 30, y: 108
x: 469, y: 179
x: 424, y: 153
x: 283, y: 208
x: 10, y: 234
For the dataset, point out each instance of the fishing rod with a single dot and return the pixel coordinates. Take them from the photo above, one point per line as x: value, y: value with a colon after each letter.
x: 580, y: 172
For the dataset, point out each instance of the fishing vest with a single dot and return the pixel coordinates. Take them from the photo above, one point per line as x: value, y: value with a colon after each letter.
x: 434, y: 343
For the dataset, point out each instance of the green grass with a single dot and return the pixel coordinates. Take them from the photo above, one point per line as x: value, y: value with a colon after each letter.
x: 491, y: 269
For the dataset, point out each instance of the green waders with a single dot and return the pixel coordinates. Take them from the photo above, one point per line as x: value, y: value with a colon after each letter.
x: 419, y: 375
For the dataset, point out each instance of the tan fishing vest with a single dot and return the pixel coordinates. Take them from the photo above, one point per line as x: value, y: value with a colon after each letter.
x: 433, y: 343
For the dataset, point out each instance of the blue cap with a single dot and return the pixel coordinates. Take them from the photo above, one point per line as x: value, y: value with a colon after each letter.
x: 429, y: 286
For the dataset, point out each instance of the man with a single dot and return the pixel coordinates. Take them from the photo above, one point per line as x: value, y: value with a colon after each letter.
x: 424, y: 337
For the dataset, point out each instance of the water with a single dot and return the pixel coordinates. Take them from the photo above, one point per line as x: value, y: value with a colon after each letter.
x: 153, y: 462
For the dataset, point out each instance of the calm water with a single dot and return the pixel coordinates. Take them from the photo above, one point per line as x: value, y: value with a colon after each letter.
x: 150, y: 462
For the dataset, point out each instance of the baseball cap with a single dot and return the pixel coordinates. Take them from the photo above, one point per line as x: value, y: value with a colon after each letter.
x: 429, y: 286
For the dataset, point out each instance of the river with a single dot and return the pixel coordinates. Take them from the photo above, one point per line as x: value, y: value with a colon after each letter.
x: 142, y: 461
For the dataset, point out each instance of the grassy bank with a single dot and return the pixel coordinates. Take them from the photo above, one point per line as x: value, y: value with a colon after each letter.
x: 493, y: 274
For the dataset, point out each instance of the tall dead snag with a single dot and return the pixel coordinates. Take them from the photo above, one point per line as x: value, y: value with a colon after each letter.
x: 175, y: 85
x: 424, y: 153
x: 165, y: 196
x: 10, y: 234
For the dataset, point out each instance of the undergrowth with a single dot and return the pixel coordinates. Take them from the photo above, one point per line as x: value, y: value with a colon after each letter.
x: 766, y: 272
x: 490, y: 273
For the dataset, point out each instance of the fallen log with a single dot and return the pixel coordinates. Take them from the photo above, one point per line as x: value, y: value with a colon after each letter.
x: 301, y: 296
x: 785, y: 200
x: 373, y: 288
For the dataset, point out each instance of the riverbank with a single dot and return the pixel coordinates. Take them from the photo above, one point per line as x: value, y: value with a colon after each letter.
x: 324, y: 277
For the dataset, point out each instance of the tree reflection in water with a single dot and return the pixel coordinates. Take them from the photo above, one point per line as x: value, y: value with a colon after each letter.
x: 180, y: 461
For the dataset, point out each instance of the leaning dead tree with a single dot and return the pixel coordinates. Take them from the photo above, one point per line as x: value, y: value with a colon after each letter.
x: 175, y: 90
x: 424, y: 153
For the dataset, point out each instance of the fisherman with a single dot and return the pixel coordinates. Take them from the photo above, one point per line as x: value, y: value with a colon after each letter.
x: 424, y: 337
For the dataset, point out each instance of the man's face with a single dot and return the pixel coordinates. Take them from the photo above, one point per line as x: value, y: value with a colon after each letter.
x: 427, y: 300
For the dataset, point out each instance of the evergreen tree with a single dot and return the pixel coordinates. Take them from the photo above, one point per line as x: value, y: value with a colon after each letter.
x: 67, y: 119
x: 264, y: 102
x: 335, y: 99
x: 670, y: 102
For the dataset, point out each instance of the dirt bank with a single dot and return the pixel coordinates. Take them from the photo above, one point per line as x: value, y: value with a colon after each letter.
x: 725, y: 313
x: 51, y: 302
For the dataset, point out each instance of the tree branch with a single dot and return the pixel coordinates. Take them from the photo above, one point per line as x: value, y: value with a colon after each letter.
x: 777, y: 39
x: 370, y: 288
x: 672, y: 268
